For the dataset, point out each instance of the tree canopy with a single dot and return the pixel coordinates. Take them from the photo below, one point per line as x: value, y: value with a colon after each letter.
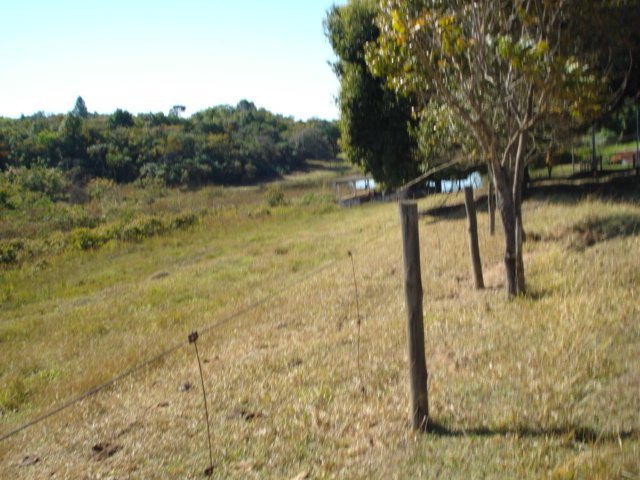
x: 375, y: 121
x: 80, y: 108
x: 223, y: 144
x: 502, y: 70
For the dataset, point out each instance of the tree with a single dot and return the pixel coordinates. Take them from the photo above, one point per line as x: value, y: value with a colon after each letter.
x: 72, y: 143
x: 316, y: 139
x: 502, y: 69
x: 80, y: 108
x: 374, y: 119
x: 120, y: 118
x: 176, y: 110
x: 5, y: 151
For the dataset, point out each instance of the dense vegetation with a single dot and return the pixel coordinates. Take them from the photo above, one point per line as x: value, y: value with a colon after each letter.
x: 376, y: 124
x: 223, y: 144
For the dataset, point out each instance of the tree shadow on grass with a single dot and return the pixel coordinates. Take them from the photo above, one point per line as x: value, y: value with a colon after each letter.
x: 335, y: 166
x: 621, y: 189
x: 576, y: 433
x: 456, y: 211
x: 595, y: 229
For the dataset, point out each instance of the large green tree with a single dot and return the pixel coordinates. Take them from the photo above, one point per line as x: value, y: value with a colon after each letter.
x: 72, y: 141
x: 374, y: 119
x: 120, y: 118
x: 504, y: 69
x: 80, y: 108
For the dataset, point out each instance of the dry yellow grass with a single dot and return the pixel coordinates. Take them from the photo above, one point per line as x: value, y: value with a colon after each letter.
x: 544, y: 386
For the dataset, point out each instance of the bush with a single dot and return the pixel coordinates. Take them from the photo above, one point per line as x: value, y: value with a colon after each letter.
x: 275, y: 196
x: 67, y: 217
x: 5, y: 200
x: 50, y: 181
x: 86, y: 239
x: 100, y: 187
x: 142, y: 228
x: 9, y: 251
x: 183, y: 221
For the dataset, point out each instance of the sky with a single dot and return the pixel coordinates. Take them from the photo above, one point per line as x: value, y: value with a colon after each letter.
x: 148, y: 55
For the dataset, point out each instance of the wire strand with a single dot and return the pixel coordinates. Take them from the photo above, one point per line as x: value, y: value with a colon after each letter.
x: 130, y: 371
x: 98, y: 388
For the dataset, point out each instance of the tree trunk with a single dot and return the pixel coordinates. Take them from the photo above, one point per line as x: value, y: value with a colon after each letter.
x: 520, y: 279
x: 508, y: 217
x: 491, y: 201
x: 518, y: 180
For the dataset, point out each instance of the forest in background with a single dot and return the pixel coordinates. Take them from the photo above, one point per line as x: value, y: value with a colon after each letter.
x: 223, y: 144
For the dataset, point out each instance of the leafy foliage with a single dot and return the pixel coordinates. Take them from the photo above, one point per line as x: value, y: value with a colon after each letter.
x: 47, y: 180
x: 505, y: 71
x: 375, y: 121
x: 120, y: 118
x: 222, y: 144
x: 80, y: 108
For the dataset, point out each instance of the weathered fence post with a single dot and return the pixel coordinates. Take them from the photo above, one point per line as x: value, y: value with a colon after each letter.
x: 492, y: 208
x: 474, y: 248
x: 415, y: 329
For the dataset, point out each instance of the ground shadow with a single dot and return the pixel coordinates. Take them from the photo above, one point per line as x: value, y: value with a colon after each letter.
x: 616, y: 189
x: 577, y: 433
x: 455, y: 211
x: 335, y: 166
x: 595, y: 229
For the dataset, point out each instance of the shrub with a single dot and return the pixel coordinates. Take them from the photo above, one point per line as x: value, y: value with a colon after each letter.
x: 100, y: 187
x: 142, y: 228
x: 50, y: 181
x: 67, y: 217
x: 275, y: 196
x: 87, y: 239
x: 183, y: 221
x: 9, y: 251
x: 5, y: 200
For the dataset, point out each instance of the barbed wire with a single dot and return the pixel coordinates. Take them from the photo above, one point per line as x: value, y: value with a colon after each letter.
x: 163, y: 354
x: 91, y: 391
x: 159, y: 356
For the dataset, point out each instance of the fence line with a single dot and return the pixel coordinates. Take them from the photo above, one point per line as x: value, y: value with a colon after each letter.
x: 91, y: 392
x: 130, y: 371
x: 213, y: 326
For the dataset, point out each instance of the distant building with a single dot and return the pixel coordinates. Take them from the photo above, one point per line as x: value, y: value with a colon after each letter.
x: 623, y: 158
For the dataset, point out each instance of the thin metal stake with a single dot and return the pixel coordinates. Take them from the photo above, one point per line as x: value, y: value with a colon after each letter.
x: 355, y: 283
x: 193, y: 338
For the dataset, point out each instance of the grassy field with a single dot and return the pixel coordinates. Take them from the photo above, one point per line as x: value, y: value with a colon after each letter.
x: 547, y: 385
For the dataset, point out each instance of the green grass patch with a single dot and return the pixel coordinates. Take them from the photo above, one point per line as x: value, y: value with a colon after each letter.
x: 541, y: 387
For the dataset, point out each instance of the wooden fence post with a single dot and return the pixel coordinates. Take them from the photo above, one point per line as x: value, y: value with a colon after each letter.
x: 474, y: 248
x: 419, y: 403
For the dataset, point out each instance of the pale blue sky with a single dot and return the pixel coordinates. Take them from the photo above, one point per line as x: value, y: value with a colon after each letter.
x: 145, y: 56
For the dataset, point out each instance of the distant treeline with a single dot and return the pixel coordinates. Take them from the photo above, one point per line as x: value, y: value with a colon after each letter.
x: 223, y: 144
